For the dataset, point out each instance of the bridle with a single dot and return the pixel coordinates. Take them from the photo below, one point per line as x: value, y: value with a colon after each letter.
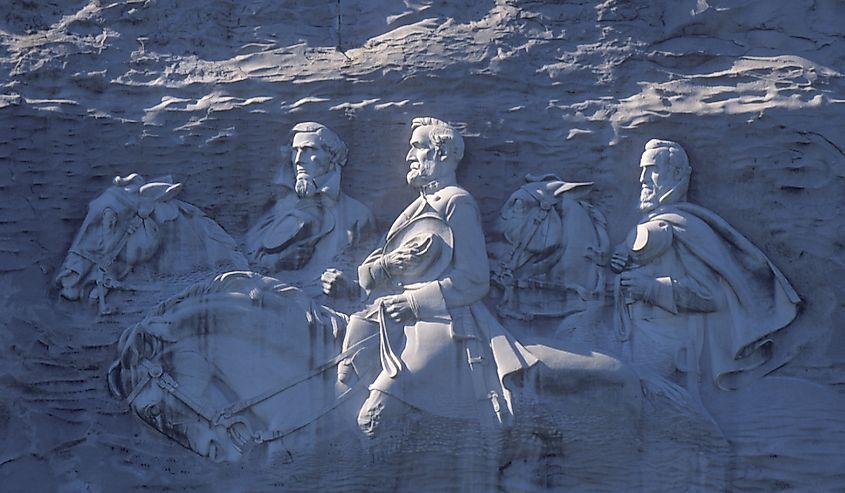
x: 505, y: 276
x: 237, y: 427
x: 103, y: 263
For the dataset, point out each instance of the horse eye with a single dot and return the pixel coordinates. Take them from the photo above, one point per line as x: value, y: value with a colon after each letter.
x: 153, y: 410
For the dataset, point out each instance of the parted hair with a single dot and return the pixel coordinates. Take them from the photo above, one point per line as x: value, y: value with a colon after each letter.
x: 442, y: 135
x: 331, y: 142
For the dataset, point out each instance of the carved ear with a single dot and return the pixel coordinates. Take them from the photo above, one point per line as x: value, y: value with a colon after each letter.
x: 172, y: 191
x: 160, y: 192
x: 576, y: 190
x: 546, y: 177
x: 131, y: 182
x: 154, y: 199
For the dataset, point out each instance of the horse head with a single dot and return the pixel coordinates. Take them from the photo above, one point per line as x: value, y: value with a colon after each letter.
x: 193, y: 367
x: 120, y: 231
x: 554, y: 243
x: 532, y: 219
x: 169, y: 386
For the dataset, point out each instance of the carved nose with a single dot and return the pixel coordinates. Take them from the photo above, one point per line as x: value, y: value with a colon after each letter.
x: 71, y: 293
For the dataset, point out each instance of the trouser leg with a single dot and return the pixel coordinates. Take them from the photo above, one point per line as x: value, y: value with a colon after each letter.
x: 363, y: 359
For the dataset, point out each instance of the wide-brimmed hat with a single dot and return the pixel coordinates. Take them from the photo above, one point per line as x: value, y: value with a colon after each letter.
x: 432, y: 238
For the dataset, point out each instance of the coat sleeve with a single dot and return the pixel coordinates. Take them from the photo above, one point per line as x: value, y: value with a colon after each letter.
x: 370, y: 273
x: 468, y: 280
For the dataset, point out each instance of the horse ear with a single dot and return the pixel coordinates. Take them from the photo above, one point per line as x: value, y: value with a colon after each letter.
x: 134, y: 179
x: 160, y: 192
x: 581, y: 189
x: 530, y: 177
x: 172, y: 191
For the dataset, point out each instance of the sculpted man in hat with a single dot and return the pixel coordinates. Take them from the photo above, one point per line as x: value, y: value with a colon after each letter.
x: 313, y: 223
x: 696, y: 300
x: 440, y: 350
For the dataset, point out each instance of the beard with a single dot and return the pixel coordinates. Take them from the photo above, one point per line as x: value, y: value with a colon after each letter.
x: 305, y: 186
x: 648, y: 199
x: 420, y: 175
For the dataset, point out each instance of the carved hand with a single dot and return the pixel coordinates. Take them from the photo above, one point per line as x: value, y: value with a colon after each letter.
x: 619, y: 261
x: 346, y: 373
x: 398, y: 308
x: 635, y: 285
x: 403, y: 259
x: 336, y: 284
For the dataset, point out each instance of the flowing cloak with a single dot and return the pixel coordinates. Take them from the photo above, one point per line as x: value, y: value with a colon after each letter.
x: 326, y: 224
x: 737, y: 333
x: 452, y: 326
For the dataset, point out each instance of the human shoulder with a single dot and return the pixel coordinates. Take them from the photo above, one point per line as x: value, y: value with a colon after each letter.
x: 691, y: 224
x: 684, y: 218
x: 355, y: 209
x: 455, y: 197
x: 650, y: 239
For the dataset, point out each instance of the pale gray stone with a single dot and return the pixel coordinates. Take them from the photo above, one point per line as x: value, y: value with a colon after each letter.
x: 313, y: 221
x: 208, y: 91
x: 138, y: 227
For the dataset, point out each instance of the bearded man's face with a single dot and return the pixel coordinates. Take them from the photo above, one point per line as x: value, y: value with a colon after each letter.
x: 655, y: 179
x: 423, y: 160
x: 311, y: 161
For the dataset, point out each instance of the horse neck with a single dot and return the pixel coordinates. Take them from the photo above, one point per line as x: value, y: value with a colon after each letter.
x: 195, y: 237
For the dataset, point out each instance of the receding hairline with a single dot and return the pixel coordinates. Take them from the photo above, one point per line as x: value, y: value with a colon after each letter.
x: 320, y: 138
x: 674, y: 154
x: 329, y: 140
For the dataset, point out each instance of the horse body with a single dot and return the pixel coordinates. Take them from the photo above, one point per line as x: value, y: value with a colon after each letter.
x: 140, y: 227
x: 248, y: 356
x: 245, y: 360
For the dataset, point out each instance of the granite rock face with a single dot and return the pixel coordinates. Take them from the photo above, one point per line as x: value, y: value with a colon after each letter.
x: 208, y: 91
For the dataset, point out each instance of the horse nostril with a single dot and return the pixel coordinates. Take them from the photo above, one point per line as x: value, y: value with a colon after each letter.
x: 70, y: 293
x: 69, y: 278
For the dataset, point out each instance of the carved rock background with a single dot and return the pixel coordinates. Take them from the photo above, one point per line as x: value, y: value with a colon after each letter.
x: 207, y: 91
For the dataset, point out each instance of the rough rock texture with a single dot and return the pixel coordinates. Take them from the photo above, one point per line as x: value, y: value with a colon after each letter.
x: 207, y: 91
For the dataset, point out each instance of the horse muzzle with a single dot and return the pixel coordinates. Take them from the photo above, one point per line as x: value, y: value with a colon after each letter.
x: 72, y: 276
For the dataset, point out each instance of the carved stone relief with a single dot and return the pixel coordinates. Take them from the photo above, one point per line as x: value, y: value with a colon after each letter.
x: 139, y: 228
x: 313, y: 221
x: 555, y: 246
x: 242, y: 365
x: 245, y: 361
x: 538, y: 297
x: 694, y: 297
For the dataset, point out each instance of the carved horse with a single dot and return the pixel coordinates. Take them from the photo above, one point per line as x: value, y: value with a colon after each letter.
x: 244, y: 361
x: 140, y: 227
x: 550, y: 263
x: 240, y: 361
